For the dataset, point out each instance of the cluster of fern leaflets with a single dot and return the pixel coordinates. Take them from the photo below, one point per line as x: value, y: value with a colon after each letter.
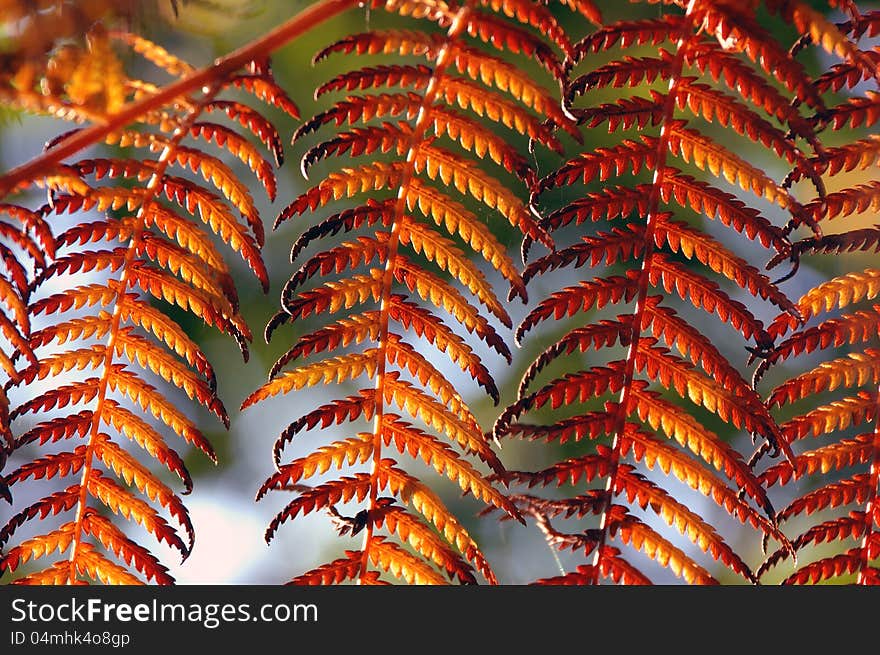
x: 677, y: 180
x: 134, y: 240
x: 644, y: 411
x: 832, y: 396
x: 397, y: 282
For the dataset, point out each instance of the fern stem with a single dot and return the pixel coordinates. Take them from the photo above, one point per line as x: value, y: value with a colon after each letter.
x: 296, y: 26
x: 641, y: 299
x: 419, y: 129
x: 153, y: 188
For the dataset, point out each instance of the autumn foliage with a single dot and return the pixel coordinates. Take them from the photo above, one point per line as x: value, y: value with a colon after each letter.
x: 689, y: 188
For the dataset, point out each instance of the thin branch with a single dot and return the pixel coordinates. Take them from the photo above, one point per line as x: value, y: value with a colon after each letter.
x: 291, y: 29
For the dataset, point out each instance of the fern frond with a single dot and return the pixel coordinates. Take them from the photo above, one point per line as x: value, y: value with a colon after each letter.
x: 662, y: 414
x: 139, y: 431
x: 595, y: 336
x: 647, y: 31
x: 854, y: 328
x: 127, y: 468
x: 130, y: 553
x: 703, y: 293
x: 321, y: 496
x: 433, y: 161
x: 60, y: 464
x: 106, y: 324
x: 852, y: 526
x: 833, y: 394
x: 855, y: 489
x: 721, y: 162
x: 607, y: 247
x: 687, y: 192
x: 42, y: 546
x: 583, y: 297
x: 255, y: 123
x: 424, y: 501
x: 738, y: 406
x: 340, y: 334
x: 260, y: 83
x: 421, y: 405
x: 691, y: 243
x: 458, y: 221
x: 702, y: 100
x: 665, y: 323
x: 507, y: 37
x: 246, y: 152
x: 718, y: 204
x: 723, y: 76
x: 627, y: 71
x: 431, y: 288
